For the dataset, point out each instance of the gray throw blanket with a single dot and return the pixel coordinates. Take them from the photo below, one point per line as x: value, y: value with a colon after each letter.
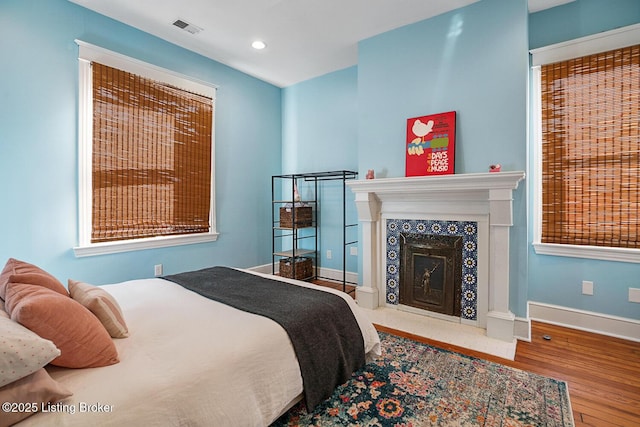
x: 324, y: 332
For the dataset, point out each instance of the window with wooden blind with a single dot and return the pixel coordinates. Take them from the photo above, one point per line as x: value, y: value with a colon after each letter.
x: 589, y: 146
x: 146, y: 161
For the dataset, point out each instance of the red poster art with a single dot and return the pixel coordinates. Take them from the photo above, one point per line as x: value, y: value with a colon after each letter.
x: 431, y: 144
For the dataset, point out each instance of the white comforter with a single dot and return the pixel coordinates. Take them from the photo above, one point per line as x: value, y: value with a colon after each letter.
x: 188, y: 361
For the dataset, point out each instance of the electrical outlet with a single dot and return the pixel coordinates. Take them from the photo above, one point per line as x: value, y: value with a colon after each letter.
x: 634, y: 295
x: 587, y: 287
x: 157, y: 269
x: 329, y: 255
x: 353, y: 250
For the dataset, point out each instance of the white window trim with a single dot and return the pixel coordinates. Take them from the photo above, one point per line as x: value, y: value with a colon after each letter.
x: 602, y: 42
x: 87, y: 54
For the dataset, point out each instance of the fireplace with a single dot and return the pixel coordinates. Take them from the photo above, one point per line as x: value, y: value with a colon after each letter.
x: 432, y: 236
x: 475, y: 207
x: 431, y: 272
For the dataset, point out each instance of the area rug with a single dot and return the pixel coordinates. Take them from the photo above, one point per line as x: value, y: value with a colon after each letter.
x: 414, y: 384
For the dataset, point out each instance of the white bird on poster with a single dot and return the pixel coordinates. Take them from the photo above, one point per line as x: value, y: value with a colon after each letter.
x: 422, y: 129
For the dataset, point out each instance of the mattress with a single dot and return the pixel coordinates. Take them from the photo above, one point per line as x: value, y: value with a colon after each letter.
x: 188, y: 361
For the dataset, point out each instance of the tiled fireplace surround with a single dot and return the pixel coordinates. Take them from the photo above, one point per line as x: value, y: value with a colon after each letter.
x: 475, y: 206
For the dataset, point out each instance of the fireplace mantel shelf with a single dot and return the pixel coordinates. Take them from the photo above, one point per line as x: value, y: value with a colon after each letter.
x: 440, y: 183
x: 485, y: 198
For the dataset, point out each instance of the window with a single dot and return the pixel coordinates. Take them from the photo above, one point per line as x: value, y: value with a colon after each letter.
x: 146, y: 156
x: 588, y: 141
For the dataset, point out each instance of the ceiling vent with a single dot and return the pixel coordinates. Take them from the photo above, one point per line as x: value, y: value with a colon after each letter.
x: 193, y: 29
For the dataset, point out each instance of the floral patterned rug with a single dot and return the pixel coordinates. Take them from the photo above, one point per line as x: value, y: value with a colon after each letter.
x: 414, y: 384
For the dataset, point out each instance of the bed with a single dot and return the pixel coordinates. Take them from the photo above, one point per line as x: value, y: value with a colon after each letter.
x: 188, y: 361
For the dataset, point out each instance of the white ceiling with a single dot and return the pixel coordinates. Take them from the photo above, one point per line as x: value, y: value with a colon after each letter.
x: 304, y: 38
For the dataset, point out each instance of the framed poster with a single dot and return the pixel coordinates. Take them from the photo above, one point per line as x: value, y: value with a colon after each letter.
x: 430, y: 145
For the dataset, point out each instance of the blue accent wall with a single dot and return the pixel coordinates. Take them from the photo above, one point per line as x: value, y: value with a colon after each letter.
x: 319, y: 131
x: 473, y: 60
x: 320, y: 134
x: 39, y: 145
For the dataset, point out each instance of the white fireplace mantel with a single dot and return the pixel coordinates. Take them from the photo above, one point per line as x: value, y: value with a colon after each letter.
x: 483, y: 197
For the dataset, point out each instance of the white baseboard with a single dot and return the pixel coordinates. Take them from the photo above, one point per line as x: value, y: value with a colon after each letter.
x: 336, y: 275
x: 614, y: 326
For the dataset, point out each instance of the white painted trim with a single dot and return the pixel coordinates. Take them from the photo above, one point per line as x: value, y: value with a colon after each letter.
x: 336, y: 275
x: 85, y: 133
x: 590, y: 252
x: 601, y: 42
x: 442, y: 185
x: 87, y: 53
x: 614, y: 326
x: 140, y: 244
x: 589, y: 45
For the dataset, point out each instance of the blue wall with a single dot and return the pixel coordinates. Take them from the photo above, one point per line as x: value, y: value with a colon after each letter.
x: 580, y: 18
x: 558, y: 280
x: 38, y: 143
x: 320, y: 134
x: 472, y: 60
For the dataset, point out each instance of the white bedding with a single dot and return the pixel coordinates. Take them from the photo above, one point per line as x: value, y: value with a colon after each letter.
x: 188, y: 361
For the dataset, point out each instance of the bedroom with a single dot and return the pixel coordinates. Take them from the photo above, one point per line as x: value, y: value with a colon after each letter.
x: 262, y: 130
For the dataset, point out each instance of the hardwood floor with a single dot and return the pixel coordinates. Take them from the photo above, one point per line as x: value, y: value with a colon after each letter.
x: 603, y: 373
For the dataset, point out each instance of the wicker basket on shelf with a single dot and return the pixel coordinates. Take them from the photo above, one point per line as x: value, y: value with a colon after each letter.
x: 304, y: 268
x: 304, y: 216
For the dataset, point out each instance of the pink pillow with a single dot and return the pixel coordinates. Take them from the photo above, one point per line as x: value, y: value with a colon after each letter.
x: 33, y: 390
x: 102, y: 304
x: 23, y: 272
x: 81, y: 338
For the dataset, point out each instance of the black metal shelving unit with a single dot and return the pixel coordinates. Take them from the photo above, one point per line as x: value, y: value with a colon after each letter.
x: 308, y: 238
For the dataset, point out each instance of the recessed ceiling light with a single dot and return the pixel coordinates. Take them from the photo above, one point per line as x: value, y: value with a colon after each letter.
x: 258, y: 44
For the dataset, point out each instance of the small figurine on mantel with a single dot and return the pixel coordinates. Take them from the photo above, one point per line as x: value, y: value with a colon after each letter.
x: 495, y: 168
x: 370, y: 174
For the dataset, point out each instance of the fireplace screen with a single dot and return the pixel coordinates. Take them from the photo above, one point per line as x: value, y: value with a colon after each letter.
x: 431, y: 272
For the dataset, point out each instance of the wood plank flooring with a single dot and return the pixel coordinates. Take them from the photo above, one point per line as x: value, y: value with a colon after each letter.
x: 603, y: 373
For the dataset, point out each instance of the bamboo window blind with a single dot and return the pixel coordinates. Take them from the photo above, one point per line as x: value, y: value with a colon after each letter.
x: 151, y: 161
x: 590, y: 150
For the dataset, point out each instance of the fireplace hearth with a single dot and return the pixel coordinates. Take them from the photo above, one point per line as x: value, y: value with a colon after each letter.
x: 431, y: 272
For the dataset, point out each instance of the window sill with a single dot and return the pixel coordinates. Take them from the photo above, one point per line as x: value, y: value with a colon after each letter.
x: 140, y: 244
x: 590, y: 252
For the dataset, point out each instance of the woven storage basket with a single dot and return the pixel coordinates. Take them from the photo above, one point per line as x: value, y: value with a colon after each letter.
x: 304, y: 268
x: 303, y: 217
